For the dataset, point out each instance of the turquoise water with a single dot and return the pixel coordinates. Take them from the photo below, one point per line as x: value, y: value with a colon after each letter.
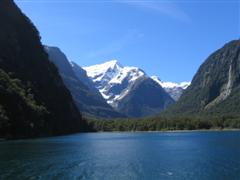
x: 185, y: 155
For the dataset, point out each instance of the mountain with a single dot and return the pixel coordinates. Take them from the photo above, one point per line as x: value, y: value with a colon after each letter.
x: 81, y: 74
x: 34, y: 101
x: 88, y: 100
x: 122, y: 87
x: 111, y: 79
x: 173, y: 89
x: 215, y: 88
x: 144, y: 98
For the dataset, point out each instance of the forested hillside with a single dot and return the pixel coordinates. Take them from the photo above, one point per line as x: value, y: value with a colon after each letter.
x: 33, y: 99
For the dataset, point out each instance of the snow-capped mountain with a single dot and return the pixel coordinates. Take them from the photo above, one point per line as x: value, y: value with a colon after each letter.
x: 128, y: 89
x: 112, y: 79
x: 101, y: 74
x: 173, y: 89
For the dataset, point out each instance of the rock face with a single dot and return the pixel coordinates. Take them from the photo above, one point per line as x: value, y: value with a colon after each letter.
x: 144, y: 98
x: 86, y: 97
x: 122, y: 87
x: 216, y: 86
x: 34, y: 101
x: 81, y: 74
x: 173, y: 89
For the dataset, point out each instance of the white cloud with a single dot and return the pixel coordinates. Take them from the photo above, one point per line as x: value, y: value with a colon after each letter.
x: 167, y: 8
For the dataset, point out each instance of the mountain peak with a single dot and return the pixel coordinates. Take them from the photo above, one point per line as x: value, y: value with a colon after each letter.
x: 111, y: 78
x: 111, y: 62
x: 101, y: 69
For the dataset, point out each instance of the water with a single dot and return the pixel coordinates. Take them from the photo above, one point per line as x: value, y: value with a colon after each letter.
x: 185, y: 155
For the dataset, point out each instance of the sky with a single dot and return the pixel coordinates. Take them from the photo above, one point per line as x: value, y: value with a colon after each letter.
x: 170, y: 39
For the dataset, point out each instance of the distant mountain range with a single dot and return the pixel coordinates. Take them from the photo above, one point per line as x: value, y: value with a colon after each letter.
x: 110, y: 90
x: 113, y: 90
x: 126, y: 88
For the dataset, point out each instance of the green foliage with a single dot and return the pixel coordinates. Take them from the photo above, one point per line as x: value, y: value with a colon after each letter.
x: 19, y: 112
x: 167, y: 123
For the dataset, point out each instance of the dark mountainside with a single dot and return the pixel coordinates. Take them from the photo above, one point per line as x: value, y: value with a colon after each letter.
x: 86, y: 99
x: 215, y: 88
x: 81, y: 74
x: 145, y: 98
x: 33, y: 99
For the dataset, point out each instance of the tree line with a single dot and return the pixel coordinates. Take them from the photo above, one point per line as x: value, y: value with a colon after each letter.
x: 167, y: 123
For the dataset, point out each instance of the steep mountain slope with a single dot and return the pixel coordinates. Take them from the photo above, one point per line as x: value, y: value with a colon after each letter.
x: 81, y: 74
x: 215, y: 87
x: 121, y: 87
x: 144, y: 98
x: 87, y: 100
x: 173, y: 89
x: 34, y: 101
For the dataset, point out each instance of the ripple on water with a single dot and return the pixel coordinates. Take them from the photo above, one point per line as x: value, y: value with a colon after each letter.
x: 124, y: 156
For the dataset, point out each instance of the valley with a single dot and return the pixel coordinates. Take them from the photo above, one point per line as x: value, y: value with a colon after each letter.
x: 55, y: 95
x: 119, y: 90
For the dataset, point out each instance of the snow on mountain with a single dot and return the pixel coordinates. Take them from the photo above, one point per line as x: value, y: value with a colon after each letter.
x: 175, y: 90
x: 131, y: 73
x: 101, y: 74
x: 112, y: 79
x: 183, y: 85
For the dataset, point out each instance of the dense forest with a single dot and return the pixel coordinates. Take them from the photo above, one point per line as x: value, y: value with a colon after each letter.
x: 197, y: 122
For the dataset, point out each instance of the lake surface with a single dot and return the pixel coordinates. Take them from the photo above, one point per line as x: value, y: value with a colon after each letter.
x: 163, y: 155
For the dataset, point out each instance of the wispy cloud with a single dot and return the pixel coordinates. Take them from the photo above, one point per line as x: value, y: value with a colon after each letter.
x: 167, y: 8
x: 116, y: 45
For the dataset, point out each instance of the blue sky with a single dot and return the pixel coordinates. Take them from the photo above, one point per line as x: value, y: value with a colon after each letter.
x: 169, y: 39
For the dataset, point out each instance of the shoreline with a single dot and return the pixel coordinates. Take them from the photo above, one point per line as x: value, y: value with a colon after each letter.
x: 161, y: 131
x: 172, y: 131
